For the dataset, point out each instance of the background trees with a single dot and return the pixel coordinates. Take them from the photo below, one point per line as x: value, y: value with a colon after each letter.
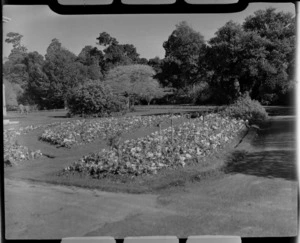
x: 63, y: 74
x: 180, y: 65
x: 257, y: 56
x: 93, y: 60
x: 278, y: 28
x: 117, y: 54
x: 134, y: 81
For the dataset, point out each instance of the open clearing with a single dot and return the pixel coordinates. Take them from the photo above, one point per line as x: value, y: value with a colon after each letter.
x: 254, y: 195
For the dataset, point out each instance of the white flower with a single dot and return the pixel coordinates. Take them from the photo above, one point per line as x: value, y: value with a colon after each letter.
x: 158, y: 154
x: 149, y: 155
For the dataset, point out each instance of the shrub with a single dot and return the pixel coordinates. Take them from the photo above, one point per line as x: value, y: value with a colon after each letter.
x: 247, y: 109
x: 94, y: 99
x: 201, y: 93
x: 12, y: 107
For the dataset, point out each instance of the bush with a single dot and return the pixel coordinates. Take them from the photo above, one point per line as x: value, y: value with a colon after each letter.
x: 247, y: 109
x: 12, y: 108
x: 95, y: 99
x: 202, y: 93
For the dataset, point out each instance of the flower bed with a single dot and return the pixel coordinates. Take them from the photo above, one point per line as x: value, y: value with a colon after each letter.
x: 77, y: 132
x: 13, y: 152
x: 172, y: 147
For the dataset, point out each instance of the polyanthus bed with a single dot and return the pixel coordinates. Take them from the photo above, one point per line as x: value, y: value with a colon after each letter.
x: 83, y: 131
x: 13, y: 152
x: 171, y: 147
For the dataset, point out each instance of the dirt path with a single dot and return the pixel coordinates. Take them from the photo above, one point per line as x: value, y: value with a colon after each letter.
x: 43, y: 211
x: 259, y: 200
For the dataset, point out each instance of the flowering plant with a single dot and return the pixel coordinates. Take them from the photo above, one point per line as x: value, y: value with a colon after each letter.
x: 74, y: 132
x: 170, y: 147
x: 13, y: 152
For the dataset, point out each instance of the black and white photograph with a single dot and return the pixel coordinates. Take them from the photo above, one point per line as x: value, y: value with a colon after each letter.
x: 151, y: 124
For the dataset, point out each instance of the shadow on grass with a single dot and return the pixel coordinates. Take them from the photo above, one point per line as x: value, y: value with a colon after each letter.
x: 192, y: 114
x: 269, y: 164
x: 63, y: 116
x: 280, y: 111
x: 277, y: 133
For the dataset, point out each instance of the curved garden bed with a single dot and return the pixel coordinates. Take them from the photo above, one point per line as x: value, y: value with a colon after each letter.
x: 67, y: 134
x: 172, y: 147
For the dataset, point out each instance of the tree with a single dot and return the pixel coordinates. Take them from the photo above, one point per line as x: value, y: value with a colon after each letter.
x: 94, y: 98
x: 155, y: 63
x: 255, y: 57
x: 142, y: 61
x: 105, y: 39
x: 14, y: 69
x: 132, y: 80
x: 116, y: 54
x: 93, y: 59
x: 63, y: 73
x: 279, y: 29
x: 150, y: 91
x: 36, y: 89
x: 225, y: 59
x: 15, y: 39
x: 180, y: 66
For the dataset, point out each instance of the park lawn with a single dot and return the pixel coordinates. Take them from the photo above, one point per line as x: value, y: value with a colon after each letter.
x: 48, y: 168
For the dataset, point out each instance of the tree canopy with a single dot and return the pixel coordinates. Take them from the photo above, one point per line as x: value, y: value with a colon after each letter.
x: 135, y: 81
x: 257, y: 57
x: 180, y: 65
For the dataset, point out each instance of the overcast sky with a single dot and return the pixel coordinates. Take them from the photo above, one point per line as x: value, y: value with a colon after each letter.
x: 39, y: 25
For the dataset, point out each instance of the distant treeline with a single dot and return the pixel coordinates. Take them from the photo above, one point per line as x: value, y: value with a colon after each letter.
x: 257, y: 57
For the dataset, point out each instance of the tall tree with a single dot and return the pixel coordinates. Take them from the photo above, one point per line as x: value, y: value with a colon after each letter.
x: 14, y: 69
x: 155, y: 63
x: 180, y: 65
x: 63, y: 73
x: 279, y: 29
x: 92, y: 58
x: 224, y: 59
x: 116, y: 54
x: 15, y: 39
x: 36, y: 90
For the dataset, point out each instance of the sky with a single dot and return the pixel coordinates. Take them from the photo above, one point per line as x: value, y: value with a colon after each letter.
x: 39, y: 25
